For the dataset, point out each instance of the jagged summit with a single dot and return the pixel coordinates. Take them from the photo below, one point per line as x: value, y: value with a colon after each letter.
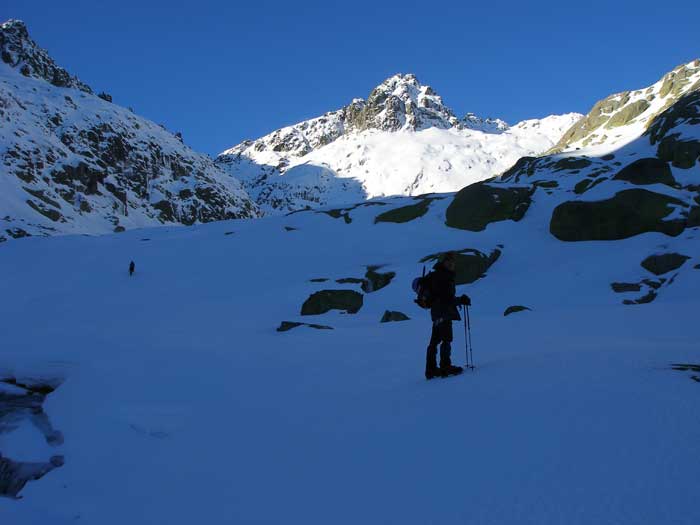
x: 402, y: 102
x: 19, y: 51
x: 401, y: 140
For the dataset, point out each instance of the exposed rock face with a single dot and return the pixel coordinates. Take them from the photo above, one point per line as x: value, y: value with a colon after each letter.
x: 478, y: 205
x: 21, y: 52
x: 628, y: 213
x: 671, y: 131
x: 401, y: 102
x: 76, y: 163
x: 647, y: 171
x: 611, y: 119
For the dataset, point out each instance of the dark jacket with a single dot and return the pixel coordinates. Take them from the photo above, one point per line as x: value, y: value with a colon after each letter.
x: 442, y: 286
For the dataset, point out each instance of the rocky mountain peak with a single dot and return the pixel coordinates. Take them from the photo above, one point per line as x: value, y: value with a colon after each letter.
x: 19, y: 51
x: 401, y: 102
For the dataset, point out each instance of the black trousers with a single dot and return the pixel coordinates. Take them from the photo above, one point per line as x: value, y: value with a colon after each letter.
x: 441, y: 335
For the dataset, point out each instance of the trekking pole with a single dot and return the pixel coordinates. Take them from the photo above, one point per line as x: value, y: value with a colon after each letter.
x: 469, y: 331
x: 466, y: 346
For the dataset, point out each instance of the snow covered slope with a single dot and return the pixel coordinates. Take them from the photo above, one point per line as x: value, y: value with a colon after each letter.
x: 73, y: 162
x: 622, y: 117
x: 401, y: 141
x: 177, y: 400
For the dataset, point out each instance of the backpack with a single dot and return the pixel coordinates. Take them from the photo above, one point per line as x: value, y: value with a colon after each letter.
x: 423, y: 287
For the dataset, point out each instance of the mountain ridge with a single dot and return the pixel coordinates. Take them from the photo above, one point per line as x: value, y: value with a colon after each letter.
x: 401, y: 140
x: 73, y: 162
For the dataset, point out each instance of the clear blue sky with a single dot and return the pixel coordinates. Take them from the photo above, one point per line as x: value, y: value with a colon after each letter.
x: 223, y: 71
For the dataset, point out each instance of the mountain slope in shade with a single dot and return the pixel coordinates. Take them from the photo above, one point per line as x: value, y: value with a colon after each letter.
x: 73, y: 162
x: 402, y: 140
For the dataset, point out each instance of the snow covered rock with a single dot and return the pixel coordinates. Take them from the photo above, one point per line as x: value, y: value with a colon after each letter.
x: 402, y: 140
x: 72, y: 162
x: 620, y: 118
x: 20, y: 52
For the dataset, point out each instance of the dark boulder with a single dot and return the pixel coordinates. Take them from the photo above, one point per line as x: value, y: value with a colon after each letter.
x: 476, y: 206
x: 628, y: 213
x: 626, y: 287
x: 405, y: 213
x: 285, y: 326
x: 390, y: 316
x: 321, y: 302
x: 660, y: 264
x: 647, y: 171
x: 515, y: 308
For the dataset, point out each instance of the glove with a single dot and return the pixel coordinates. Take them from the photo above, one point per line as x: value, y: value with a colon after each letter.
x: 464, y: 299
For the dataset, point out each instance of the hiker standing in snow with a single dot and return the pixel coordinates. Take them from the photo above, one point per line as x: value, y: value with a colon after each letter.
x: 132, y: 267
x: 442, y: 312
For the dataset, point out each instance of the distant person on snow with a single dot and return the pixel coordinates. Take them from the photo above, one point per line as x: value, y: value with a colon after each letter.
x: 442, y: 312
x: 132, y: 267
